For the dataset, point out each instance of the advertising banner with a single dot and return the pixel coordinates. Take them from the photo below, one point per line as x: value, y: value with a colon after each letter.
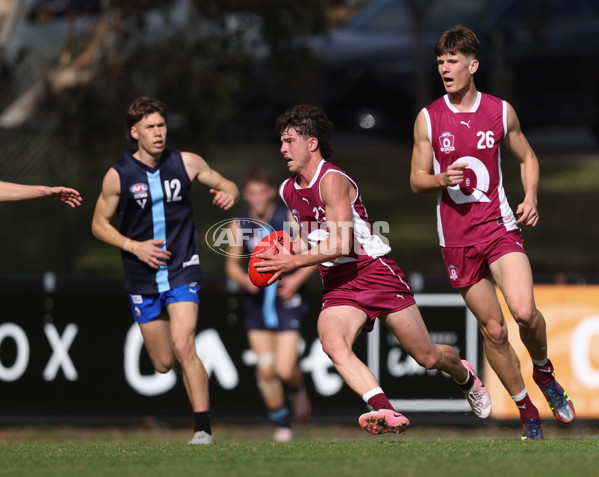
x: 572, y: 316
x: 70, y: 347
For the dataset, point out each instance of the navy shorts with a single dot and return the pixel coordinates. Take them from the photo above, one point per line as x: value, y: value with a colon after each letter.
x: 265, y: 311
x: 147, y: 308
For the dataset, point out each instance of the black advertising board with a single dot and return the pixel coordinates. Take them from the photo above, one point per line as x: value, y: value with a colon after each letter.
x: 69, y: 347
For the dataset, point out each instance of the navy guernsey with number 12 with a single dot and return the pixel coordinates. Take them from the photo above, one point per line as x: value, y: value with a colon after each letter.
x: 155, y: 204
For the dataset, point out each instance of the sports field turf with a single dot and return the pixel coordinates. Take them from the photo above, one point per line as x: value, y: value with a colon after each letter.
x: 320, y: 450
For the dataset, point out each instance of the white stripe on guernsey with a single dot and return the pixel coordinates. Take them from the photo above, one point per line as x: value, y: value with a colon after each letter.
x: 439, y: 224
x: 316, y: 174
x: 456, y: 110
x: 428, y: 125
x: 477, y: 104
x: 372, y: 392
x: 348, y: 178
x: 504, y: 117
x: 504, y: 206
x: 371, y: 243
x: 436, y: 170
x: 281, y: 191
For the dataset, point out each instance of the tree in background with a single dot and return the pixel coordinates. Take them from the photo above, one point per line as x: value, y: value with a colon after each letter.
x: 198, y: 56
x: 62, y: 92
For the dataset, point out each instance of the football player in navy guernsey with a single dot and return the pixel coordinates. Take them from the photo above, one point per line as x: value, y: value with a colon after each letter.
x: 149, y: 190
x: 456, y: 154
x: 274, y: 314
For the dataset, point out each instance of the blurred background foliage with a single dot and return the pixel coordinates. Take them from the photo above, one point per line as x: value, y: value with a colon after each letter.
x: 63, y: 117
x: 64, y: 98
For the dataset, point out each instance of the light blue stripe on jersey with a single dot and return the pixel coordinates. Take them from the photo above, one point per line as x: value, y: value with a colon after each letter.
x: 159, y: 222
x: 269, y: 309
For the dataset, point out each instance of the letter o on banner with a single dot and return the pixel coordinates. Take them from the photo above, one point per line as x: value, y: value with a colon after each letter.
x: 580, y: 351
x: 147, y: 385
x: 14, y: 372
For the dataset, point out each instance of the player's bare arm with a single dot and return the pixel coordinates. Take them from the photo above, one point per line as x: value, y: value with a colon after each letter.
x: 10, y: 192
x: 148, y: 251
x: 290, y: 284
x: 299, y: 242
x: 337, y: 194
x: 225, y: 191
x: 517, y: 143
x: 422, y: 180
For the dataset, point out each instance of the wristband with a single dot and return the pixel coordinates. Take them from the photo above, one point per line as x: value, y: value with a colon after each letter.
x: 133, y: 246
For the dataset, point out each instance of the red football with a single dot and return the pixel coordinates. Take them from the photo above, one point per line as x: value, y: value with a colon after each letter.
x: 267, y: 246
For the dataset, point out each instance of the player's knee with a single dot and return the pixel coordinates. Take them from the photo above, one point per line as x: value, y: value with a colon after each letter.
x: 495, y: 333
x: 184, y: 349
x: 333, y: 347
x: 526, y: 316
x: 429, y: 360
x: 163, y: 365
x: 265, y: 366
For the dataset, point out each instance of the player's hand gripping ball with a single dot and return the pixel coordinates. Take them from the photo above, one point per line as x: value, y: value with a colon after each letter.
x: 267, y: 246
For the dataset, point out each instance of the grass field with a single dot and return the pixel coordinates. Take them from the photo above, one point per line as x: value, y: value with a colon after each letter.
x: 319, y: 450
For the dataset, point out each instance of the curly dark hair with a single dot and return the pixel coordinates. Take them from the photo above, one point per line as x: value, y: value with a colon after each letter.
x: 140, y: 108
x: 308, y: 121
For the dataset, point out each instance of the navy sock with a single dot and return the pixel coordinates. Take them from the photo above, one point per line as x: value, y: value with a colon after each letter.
x: 280, y: 416
x: 202, y: 422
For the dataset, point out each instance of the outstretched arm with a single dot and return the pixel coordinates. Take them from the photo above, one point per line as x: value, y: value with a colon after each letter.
x: 10, y: 191
x: 225, y: 191
x: 517, y: 143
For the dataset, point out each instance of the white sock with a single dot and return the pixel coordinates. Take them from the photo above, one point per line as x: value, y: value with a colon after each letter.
x: 520, y: 395
x: 372, y: 392
x: 540, y: 362
x: 465, y: 380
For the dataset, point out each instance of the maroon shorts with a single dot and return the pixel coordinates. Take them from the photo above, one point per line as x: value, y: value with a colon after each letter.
x: 380, y: 288
x: 469, y: 265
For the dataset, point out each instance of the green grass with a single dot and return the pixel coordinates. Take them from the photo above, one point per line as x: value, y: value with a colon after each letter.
x: 387, y: 457
x: 422, y: 453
